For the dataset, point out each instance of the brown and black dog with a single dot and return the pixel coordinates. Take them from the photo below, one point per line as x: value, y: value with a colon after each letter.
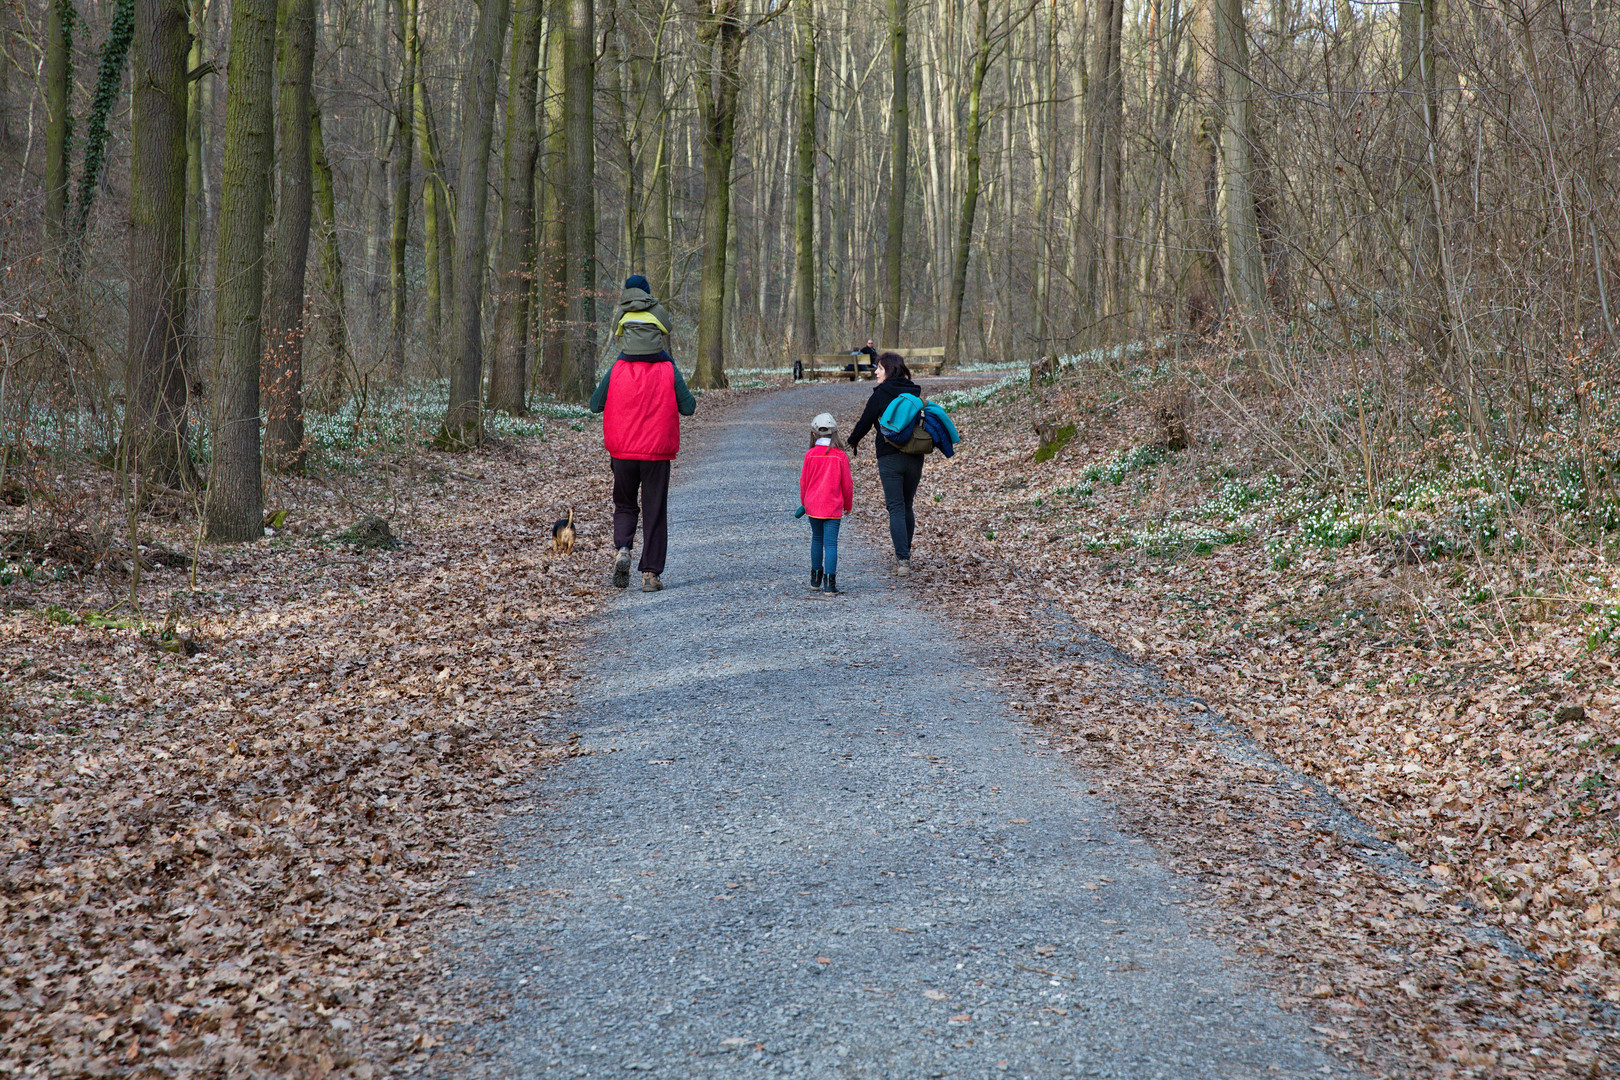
x: 562, y: 535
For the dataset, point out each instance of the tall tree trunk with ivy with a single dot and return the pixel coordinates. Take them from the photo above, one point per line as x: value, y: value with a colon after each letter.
x: 235, y: 485
x: 155, y: 440
x: 109, y: 86
x: 463, y: 417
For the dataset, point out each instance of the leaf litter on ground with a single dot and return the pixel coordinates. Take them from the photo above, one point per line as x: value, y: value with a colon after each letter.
x: 1486, y: 754
x: 237, y: 862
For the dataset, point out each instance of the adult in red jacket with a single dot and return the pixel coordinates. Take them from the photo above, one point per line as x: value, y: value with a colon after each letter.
x: 827, y: 492
x: 641, y: 399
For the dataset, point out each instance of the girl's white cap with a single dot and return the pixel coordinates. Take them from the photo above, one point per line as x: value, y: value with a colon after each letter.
x: 824, y: 422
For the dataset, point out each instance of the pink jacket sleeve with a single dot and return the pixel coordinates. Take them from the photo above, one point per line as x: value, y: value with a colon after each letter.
x: 848, y: 482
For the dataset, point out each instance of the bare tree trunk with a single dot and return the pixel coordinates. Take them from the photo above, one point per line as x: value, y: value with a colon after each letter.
x: 733, y: 259
x: 970, y: 185
x: 655, y: 221
x: 579, y: 197
x: 1205, y: 289
x: 652, y: 137
x: 334, y: 317
x: 552, y: 258
x: 899, y: 168
x: 661, y: 242
x: 283, y: 371
x: 385, y: 131
x: 1162, y: 96
x: 1003, y: 297
x: 1428, y: 315
x: 804, y: 192
x: 155, y: 435
x: 236, y: 494
x: 1045, y: 164
x: 1110, y: 196
x: 1098, y: 210
x: 720, y: 34
x: 59, y: 20
x: 838, y: 142
x: 1080, y: 222
x: 435, y: 204
x: 463, y: 418
x: 445, y: 208
x: 400, y: 234
x: 198, y: 96
x: 1245, y: 265
x: 507, y: 390
x: 617, y: 86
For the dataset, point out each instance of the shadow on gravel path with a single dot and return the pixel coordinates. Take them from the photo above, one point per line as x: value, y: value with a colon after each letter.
x: 810, y: 840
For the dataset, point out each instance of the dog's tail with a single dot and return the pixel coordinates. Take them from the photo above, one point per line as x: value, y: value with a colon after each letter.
x: 570, y: 517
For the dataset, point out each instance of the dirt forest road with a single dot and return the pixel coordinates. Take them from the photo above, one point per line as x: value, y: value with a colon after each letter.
x: 810, y: 840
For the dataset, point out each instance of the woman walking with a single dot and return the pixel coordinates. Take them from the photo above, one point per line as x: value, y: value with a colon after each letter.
x: 899, y: 471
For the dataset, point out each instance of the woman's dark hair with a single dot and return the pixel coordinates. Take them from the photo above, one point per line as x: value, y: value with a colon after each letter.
x: 894, y: 367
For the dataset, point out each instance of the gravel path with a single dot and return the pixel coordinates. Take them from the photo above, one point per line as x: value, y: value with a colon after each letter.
x: 811, y: 841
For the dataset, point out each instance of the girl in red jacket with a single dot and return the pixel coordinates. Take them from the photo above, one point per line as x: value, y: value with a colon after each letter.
x: 827, y: 492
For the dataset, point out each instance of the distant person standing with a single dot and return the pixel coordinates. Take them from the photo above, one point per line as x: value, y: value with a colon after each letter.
x: 899, y: 471
x: 641, y: 398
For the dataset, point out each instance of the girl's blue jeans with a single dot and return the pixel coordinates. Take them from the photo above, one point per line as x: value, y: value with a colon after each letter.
x: 824, y: 545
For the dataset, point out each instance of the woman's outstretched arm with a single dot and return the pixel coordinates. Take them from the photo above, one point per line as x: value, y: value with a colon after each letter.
x: 869, y: 418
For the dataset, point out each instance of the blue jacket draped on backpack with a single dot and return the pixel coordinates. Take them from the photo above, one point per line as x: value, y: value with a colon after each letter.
x: 938, y: 424
x: 900, y: 419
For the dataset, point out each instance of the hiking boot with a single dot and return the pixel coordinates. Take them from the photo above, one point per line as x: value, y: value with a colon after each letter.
x: 650, y: 582
x: 902, y: 567
x: 829, y: 587
x: 815, y: 579
x: 621, y: 569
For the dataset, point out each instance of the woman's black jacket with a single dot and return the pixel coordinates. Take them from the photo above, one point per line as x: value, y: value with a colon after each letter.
x: 882, y: 394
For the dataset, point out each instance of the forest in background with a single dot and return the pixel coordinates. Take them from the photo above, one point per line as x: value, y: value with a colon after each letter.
x: 1402, y: 211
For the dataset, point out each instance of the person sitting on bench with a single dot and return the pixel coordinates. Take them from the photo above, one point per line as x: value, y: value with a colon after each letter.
x: 866, y: 350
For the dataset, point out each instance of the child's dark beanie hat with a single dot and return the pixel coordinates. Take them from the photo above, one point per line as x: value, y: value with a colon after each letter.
x: 636, y: 281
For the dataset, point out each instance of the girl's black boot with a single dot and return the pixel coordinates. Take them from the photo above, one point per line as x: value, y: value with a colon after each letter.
x: 815, y: 579
x: 830, y: 586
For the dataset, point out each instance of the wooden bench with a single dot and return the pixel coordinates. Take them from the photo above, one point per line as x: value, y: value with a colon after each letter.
x: 928, y: 361
x: 925, y: 361
x: 832, y: 365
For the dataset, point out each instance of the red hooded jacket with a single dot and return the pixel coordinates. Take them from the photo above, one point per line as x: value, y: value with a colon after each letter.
x: 826, y: 486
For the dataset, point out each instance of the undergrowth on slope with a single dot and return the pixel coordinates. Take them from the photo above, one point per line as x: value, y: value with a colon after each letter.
x: 1434, y: 629
x: 1435, y: 637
